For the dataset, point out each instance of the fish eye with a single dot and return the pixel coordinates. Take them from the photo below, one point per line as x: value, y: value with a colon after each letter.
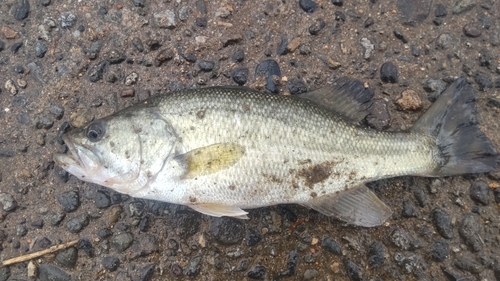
x: 95, y: 131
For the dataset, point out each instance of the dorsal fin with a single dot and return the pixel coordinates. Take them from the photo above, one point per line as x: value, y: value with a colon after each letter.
x: 347, y: 97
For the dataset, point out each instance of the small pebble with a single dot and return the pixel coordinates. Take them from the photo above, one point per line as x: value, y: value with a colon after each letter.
x: 282, y: 48
x: 410, y: 100
x: 399, y: 34
x: 389, y: 73
x: 379, y: 117
x: 257, y: 272
x: 469, y: 230
x: 146, y: 272
x: 70, y: 201
x: 240, y: 75
x: 368, y: 46
x: 353, y: 271
x: 43, y: 122
x: 317, y: 26
x: 445, y: 41
x: 472, y: 29
x: 40, y: 49
x: 114, y: 57
x: 369, y: 22
x: 7, y: 202
x: 8, y: 32
x: 163, y: 56
x: 309, y: 6
x: 479, y: 192
x: 296, y: 86
x: 468, y: 264
x: 206, y: 65
x: 122, y: 241
x: 238, y: 56
x: 56, y: 218
x: 111, y: 263
x: 102, y: 200
x: 376, y: 254
x: 440, y: 11
x: 331, y: 245
x: 193, y: 267
x: 483, y: 81
x: 462, y: 6
x: 56, y: 110
x: 11, y: 87
x: 78, y: 223
x: 67, y: 20
x: 131, y: 79
x: 21, y: 9
x: 67, y: 257
x: 310, y: 274
x: 409, y: 209
x: 50, y: 272
x: 165, y: 19
x: 95, y: 73
x: 439, y: 250
x: 227, y: 230
x: 442, y: 222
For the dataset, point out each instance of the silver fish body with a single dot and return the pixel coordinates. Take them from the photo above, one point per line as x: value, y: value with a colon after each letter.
x: 224, y: 149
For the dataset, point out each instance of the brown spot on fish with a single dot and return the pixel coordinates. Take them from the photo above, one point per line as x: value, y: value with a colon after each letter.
x: 272, y: 178
x: 192, y: 199
x: 313, y: 194
x: 112, y: 144
x: 127, y: 154
x: 304, y: 162
x: 295, y: 185
x: 246, y: 107
x: 316, y: 173
x: 232, y: 187
x: 200, y: 114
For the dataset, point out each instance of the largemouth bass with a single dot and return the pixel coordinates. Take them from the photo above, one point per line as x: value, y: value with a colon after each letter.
x: 220, y: 150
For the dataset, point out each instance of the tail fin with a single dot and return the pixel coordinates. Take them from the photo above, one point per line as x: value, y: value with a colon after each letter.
x: 452, y: 121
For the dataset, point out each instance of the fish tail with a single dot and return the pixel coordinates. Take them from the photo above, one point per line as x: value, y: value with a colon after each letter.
x: 452, y: 121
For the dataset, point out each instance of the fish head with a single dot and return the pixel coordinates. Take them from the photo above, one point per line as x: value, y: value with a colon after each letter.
x: 124, y: 152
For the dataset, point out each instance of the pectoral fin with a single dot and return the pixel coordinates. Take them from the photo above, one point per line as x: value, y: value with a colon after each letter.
x: 210, y: 159
x: 357, y: 206
x: 220, y: 210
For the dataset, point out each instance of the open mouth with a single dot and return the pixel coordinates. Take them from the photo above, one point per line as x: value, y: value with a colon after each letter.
x: 78, y: 162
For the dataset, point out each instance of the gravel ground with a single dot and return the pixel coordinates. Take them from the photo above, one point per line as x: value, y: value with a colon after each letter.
x: 66, y: 62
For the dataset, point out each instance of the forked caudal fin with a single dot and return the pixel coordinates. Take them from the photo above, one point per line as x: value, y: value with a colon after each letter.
x: 463, y: 148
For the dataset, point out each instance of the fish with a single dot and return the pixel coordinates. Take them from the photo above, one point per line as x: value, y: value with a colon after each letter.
x: 223, y: 150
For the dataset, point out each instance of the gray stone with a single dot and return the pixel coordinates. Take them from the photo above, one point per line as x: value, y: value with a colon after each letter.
x: 21, y: 9
x: 462, y: 6
x: 67, y: 257
x: 7, y: 201
x: 165, y: 19
x: 469, y: 230
x: 122, y: 241
x: 50, y: 272
x: 40, y: 49
x: 78, y: 223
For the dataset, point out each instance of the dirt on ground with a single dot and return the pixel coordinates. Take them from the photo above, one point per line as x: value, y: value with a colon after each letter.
x: 64, y: 63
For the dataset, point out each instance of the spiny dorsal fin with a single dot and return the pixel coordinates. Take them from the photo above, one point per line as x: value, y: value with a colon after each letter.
x: 210, y: 159
x: 357, y: 206
x: 347, y: 97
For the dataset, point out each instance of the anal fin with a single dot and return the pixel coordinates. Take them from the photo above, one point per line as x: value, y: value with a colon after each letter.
x: 220, y: 210
x: 358, y: 206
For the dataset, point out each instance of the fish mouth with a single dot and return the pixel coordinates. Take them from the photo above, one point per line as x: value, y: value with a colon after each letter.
x: 81, y: 161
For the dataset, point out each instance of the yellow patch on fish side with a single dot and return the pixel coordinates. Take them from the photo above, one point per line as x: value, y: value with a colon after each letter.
x: 210, y: 159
